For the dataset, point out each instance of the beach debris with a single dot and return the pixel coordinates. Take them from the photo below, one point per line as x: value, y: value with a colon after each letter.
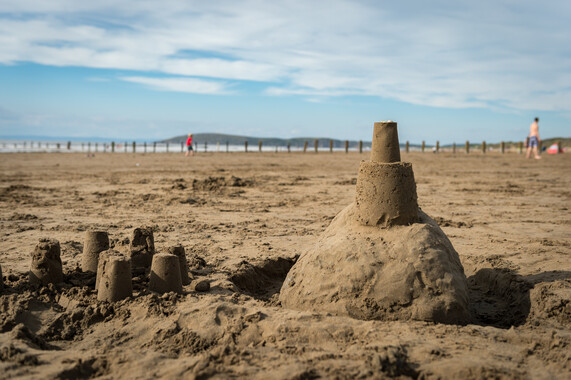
x: 95, y: 243
x: 202, y: 286
x: 381, y: 257
x: 178, y: 250
x: 46, y: 267
x: 165, y: 274
x: 142, y: 249
x: 114, y: 281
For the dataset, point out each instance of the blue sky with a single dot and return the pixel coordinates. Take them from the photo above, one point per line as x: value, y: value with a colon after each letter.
x: 444, y: 70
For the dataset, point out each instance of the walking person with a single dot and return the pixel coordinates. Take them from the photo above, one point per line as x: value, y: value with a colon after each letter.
x: 534, y: 140
x: 189, y: 149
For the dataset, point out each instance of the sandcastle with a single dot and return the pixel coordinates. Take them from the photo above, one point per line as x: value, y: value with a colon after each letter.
x: 142, y: 249
x: 165, y: 274
x: 95, y: 242
x: 381, y: 257
x: 178, y: 250
x: 114, y: 281
x: 46, y: 267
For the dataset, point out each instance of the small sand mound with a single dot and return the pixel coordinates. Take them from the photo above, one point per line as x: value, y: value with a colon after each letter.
x: 217, y: 184
x: 551, y: 302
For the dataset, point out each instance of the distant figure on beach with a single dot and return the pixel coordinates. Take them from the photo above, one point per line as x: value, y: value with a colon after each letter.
x: 189, y: 149
x: 533, y: 140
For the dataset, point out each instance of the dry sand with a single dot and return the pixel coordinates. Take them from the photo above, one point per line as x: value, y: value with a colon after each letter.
x: 243, y: 219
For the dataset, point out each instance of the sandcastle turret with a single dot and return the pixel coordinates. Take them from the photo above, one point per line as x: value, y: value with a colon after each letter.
x: 95, y: 242
x: 142, y: 249
x: 113, y: 281
x: 178, y: 250
x: 46, y: 267
x: 386, y: 191
x: 381, y: 257
x: 165, y: 274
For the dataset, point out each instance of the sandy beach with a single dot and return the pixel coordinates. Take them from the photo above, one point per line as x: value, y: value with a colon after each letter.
x: 244, y: 219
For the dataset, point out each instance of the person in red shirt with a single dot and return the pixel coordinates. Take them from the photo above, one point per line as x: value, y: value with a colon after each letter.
x: 189, y: 146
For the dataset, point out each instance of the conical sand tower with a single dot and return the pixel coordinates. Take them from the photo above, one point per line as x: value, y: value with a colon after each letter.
x: 381, y: 257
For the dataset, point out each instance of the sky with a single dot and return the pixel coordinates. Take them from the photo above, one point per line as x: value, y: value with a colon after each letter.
x: 146, y: 70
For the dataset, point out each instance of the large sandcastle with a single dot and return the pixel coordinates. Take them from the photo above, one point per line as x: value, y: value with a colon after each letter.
x: 381, y: 257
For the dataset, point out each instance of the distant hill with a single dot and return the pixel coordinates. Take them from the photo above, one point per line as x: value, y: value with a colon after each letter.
x: 213, y: 138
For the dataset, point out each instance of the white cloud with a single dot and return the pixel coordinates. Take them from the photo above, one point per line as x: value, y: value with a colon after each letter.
x: 190, y: 85
x: 444, y: 53
x: 219, y: 68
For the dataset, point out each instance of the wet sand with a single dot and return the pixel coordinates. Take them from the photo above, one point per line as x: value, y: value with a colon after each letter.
x: 243, y: 220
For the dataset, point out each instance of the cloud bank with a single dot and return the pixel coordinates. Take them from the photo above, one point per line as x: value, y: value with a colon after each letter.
x: 489, y: 54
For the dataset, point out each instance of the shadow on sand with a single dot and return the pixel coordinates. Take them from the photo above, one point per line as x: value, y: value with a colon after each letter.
x: 501, y: 298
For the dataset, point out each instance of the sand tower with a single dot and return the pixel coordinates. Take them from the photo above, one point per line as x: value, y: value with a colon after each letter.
x: 142, y: 249
x: 46, y: 265
x: 165, y: 274
x: 95, y: 243
x: 113, y: 277
x: 178, y: 250
x: 381, y: 257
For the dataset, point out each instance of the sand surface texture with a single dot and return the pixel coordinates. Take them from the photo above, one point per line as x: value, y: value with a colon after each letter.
x: 243, y: 220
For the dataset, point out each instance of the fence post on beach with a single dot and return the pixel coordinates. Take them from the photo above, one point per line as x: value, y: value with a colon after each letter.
x: 69, y: 145
x: 112, y: 146
x: 260, y: 146
x: 316, y: 145
x: 145, y: 147
x: 167, y: 147
x: 227, y: 147
x: 423, y: 146
x: 305, y: 147
x: 483, y: 147
x: 134, y: 146
x: 154, y: 147
x: 520, y: 147
x: 437, y: 146
x: 330, y: 146
x: 96, y: 147
x: 360, y: 146
x: 57, y: 146
x: 205, y: 146
x: 454, y: 147
x: 88, y: 147
x: 346, y: 146
x: 502, y: 147
x: 246, y: 146
x: 407, y: 146
x: 288, y: 147
x: 467, y: 146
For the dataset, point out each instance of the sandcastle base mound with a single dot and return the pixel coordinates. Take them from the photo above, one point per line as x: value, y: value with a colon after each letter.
x: 368, y: 272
